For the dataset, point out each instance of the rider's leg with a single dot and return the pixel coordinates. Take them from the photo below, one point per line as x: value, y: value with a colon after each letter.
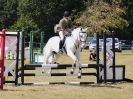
x: 61, y: 34
x: 61, y: 45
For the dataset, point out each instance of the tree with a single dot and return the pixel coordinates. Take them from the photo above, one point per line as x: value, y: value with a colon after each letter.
x: 8, y: 12
x: 103, y: 16
x: 128, y: 4
x: 45, y: 13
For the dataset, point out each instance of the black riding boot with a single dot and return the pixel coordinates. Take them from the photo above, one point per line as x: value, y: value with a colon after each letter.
x: 60, y: 46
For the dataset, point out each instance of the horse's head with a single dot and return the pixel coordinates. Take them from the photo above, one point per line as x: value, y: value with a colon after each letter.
x: 81, y: 35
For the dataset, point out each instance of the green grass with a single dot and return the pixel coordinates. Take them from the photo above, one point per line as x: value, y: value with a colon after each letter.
x: 122, y: 90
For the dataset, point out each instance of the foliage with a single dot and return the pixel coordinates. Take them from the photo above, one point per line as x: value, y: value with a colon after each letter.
x: 45, y: 13
x: 103, y: 16
x: 8, y: 12
x: 129, y: 16
x: 42, y: 15
x: 24, y: 23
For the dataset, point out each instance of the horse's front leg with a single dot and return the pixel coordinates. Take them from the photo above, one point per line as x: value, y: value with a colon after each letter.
x: 76, y: 60
x: 73, y: 57
x: 78, y: 63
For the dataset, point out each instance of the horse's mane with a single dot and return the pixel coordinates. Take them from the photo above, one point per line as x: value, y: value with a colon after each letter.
x: 76, y: 29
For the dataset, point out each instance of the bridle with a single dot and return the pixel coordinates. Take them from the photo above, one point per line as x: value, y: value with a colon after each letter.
x: 80, y: 36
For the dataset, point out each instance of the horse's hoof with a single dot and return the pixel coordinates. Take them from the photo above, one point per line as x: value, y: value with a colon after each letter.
x: 79, y: 75
x: 43, y: 71
x: 56, y: 63
x: 49, y: 71
x: 72, y: 71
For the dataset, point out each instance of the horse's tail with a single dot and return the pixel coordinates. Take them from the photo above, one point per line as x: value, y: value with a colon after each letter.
x: 44, y: 55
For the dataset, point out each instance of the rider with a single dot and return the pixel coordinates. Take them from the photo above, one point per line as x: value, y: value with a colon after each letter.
x: 65, y: 28
x: 92, y: 55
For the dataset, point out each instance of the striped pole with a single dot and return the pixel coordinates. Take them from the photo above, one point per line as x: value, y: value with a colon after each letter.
x: 59, y: 83
x: 58, y: 74
x: 62, y: 66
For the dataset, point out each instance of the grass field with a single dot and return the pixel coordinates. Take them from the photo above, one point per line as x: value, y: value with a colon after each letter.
x: 121, y: 90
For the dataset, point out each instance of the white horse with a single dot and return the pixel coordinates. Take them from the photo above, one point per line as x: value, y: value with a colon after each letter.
x: 73, y: 45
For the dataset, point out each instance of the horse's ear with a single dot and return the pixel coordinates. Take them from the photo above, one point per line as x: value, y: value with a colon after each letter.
x: 85, y: 29
x: 81, y: 29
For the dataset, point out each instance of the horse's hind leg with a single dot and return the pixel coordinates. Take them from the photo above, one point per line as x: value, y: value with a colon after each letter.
x: 47, y: 55
x: 52, y: 59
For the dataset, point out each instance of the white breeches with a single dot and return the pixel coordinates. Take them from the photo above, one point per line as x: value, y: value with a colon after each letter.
x: 61, y: 34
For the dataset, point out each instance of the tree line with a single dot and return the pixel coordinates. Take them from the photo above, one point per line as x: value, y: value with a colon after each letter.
x: 42, y: 15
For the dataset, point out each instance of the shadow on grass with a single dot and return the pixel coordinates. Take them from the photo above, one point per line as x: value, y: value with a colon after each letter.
x: 102, y: 85
x: 22, y: 90
x: 99, y: 85
x: 111, y: 85
x: 127, y: 80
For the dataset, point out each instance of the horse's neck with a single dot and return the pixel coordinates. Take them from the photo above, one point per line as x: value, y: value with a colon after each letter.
x: 75, y: 40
